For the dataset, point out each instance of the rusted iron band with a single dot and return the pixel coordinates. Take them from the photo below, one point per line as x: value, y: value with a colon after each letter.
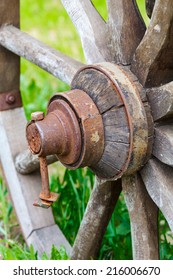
x: 10, y: 100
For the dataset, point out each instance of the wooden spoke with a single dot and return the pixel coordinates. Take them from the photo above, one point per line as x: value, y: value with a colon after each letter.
x: 161, y: 101
x: 153, y: 59
x: 163, y: 144
x: 91, y: 28
x: 96, y: 218
x: 149, y: 7
x: 158, y: 179
x: 126, y: 28
x: 143, y: 217
x: 47, y: 58
x: 26, y: 162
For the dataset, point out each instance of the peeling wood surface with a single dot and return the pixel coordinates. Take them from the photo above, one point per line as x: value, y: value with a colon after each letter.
x: 91, y: 28
x: 47, y: 58
x: 97, y: 215
x: 161, y: 101
x: 153, y: 59
x: 158, y: 179
x: 143, y: 218
x: 26, y: 162
x: 126, y: 28
x: 163, y: 144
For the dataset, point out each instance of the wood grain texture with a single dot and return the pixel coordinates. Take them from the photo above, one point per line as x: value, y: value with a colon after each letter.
x: 23, y: 189
x: 9, y: 62
x: 40, y: 239
x: 91, y: 28
x: 158, y: 179
x: 161, y: 101
x: 113, y: 159
x: 153, y: 59
x: 143, y: 218
x: 26, y: 162
x: 163, y: 144
x: 99, y: 87
x: 47, y: 58
x: 97, y: 215
x: 126, y: 28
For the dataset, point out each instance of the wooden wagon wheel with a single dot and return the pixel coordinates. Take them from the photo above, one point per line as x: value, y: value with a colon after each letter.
x: 120, y: 114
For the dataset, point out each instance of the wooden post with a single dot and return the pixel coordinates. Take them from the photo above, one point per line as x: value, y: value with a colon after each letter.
x: 9, y: 62
x: 36, y: 224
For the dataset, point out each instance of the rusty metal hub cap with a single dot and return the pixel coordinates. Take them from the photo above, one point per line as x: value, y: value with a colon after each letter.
x: 72, y: 130
x: 101, y: 123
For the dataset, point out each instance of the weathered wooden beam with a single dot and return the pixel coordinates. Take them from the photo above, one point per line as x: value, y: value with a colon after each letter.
x: 9, y: 62
x: 97, y: 215
x: 163, y: 144
x: 161, y: 101
x: 26, y: 162
x: 158, y: 179
x: 153, y: 59
x: 91, y: 28
x: 47, y: 58
x: 143, y: 218
x: 40, y: 238
x: 126, y: 28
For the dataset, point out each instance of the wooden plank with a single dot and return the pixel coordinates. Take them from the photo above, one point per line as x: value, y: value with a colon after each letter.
x: 23, y: 189
x: 26, y: 162
x: 161, y: 101
x: 153, y: 59
x: 42, y: 239
x: 126, y: 28
x: 97, y: 215
x: 91, y: 28
x: 163, y: 144
x: 143, y: 218
x: 158, y: 179
x: 47, y: 58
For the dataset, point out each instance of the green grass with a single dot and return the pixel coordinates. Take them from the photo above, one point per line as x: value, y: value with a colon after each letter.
x: 49, y: 22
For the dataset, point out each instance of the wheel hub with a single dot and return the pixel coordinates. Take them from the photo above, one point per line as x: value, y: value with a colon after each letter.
x: 101, y: 123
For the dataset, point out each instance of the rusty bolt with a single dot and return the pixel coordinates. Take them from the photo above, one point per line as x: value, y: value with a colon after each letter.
x: 10, y: 99
x: 37, y: 116
x: 46, y: 198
